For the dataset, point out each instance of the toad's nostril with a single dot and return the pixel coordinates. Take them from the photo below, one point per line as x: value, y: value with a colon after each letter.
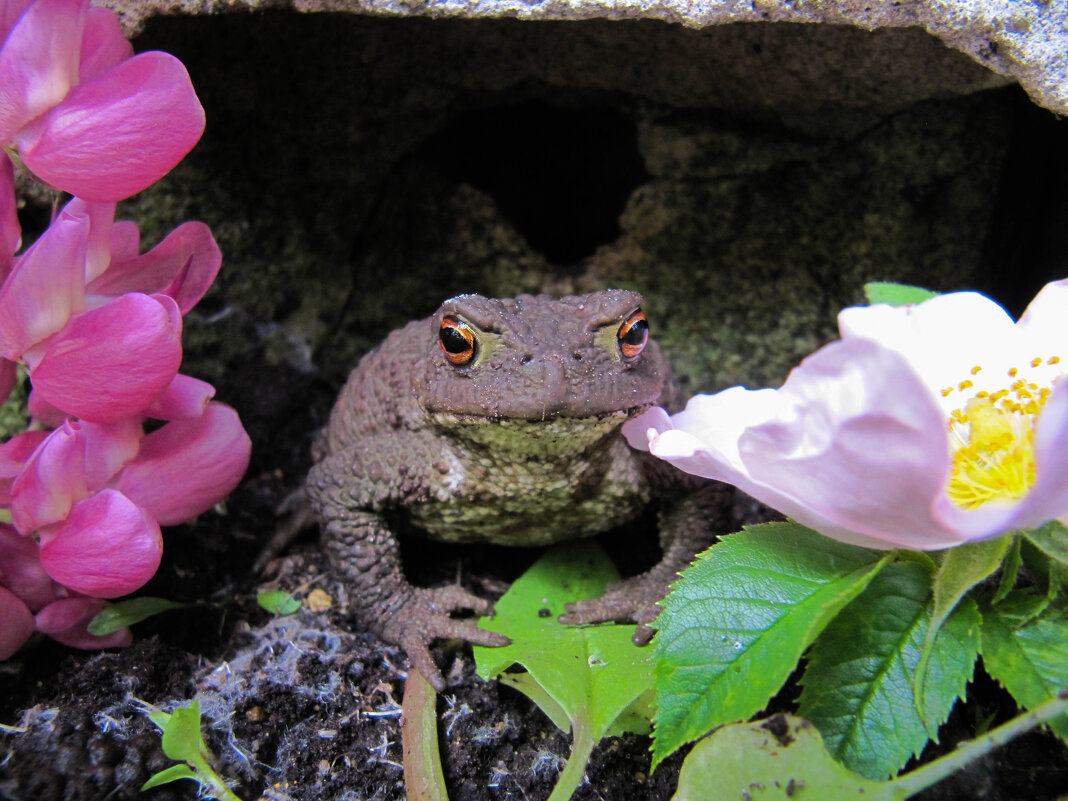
x: 526, y: 359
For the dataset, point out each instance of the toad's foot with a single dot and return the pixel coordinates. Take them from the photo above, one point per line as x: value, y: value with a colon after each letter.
x: 630, y: 600
x: 424, y: 616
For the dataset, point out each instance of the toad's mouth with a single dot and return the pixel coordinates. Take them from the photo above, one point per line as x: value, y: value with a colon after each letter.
x: 554, y: 434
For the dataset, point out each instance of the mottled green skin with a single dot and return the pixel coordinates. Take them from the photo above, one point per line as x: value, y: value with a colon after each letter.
x: 519, y: 447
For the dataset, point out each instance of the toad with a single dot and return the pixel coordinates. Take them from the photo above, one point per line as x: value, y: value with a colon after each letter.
x: 498, y: 421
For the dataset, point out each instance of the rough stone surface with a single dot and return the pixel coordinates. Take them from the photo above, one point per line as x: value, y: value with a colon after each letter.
x: 1027, y: 42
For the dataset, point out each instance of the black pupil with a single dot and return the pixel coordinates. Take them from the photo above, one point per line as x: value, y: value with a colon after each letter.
x: 636, y: 333
x: 453, y: 341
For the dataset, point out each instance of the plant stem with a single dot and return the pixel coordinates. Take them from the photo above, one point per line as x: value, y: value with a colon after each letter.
x: 942, y: 767
x: 571, y: 776
x: 207, y: 774
x: 424, y: 779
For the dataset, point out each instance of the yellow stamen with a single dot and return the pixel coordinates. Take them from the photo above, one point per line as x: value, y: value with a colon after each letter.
x: 994, y: 456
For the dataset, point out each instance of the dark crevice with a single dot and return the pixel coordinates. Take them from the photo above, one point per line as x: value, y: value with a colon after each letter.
x: 560, y: 176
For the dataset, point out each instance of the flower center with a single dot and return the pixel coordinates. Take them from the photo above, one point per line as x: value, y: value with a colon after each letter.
x: 993, y: 435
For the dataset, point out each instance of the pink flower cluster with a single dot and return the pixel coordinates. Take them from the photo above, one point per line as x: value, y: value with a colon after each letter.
x: 97, y: 326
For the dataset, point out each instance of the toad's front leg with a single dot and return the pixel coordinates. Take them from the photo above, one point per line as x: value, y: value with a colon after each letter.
x: 365, y: 555
x: 687, y: 527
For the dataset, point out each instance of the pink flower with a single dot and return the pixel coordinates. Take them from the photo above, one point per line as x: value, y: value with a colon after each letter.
x: 16, y: 623
x: 924, y: 427
x: 94, y: 495
x: 84, y: 113
x: 99, y: 326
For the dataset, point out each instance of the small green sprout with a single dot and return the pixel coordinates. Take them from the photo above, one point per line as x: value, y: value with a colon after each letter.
x: 182, y: 741
x: 278, y: 602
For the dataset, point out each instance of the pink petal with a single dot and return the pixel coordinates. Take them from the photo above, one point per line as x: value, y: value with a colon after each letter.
x: 111, y: 362
x: 108, y: 546
x: 10, y: 11
x: 10, y: 232
x: 9, y: 375
x: 187, y: 466
x: 21, y: 571
x: 103, y: 44
x: 114, y: 135
x: 16, y: 623
x: 101, y: 218
x: 108, y: 448
x: 66, y: 622
x: 52, y: 480
x: 125, y: 241
x: 43, y: 412
x: 13, y: 456
x: 39, y: 61
x: 184, y: 398
x: 182, y: 266
x: 45, y: 287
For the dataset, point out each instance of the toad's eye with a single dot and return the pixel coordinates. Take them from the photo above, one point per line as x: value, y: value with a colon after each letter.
x: 633, y: 335
x: 457, y: 340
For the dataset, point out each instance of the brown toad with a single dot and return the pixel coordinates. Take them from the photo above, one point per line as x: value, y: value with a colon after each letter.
x: 498, y: 421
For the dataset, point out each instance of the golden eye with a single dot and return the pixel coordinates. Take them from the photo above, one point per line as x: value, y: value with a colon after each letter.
x: 457, y: 340
x: 633, y: 335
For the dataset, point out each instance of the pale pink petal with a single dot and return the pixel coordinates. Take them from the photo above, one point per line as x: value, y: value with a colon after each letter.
x: 1046, y: 318
x: 943, y: 337
x: 182, y: 266
x: 108, y: 546
x: 111, y: 362
x: 114, y: 135
x: 39, y: 61
x: 51, y: 481
x: 10, y: 231
x: 108, y: 448
x: 187, y: 466
x: 184, y: 398
x: 21, y: 571
x: 45, y: 287
x: 98, y: 249
x: 103, y: 44
x: 9, y: 375
x: 693, y: 454
x: 67, y: 622
x: 16, y: 623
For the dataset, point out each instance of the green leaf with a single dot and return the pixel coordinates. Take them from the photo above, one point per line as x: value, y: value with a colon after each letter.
x: 592, y: 671
x: 589, y: 679
x: 779, y: 758
x: 1027, y: 655
x: 859, y: 685
x: 161, y: 719
x: 736, y: 623
x: 126, y: 613
x: 960, y: 569
x: 1010, y: 570
x: 181, y: 737
x: 168, y: 775
x: 1051, y: 539
x: 278, y: 602
x: 896, y: 294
